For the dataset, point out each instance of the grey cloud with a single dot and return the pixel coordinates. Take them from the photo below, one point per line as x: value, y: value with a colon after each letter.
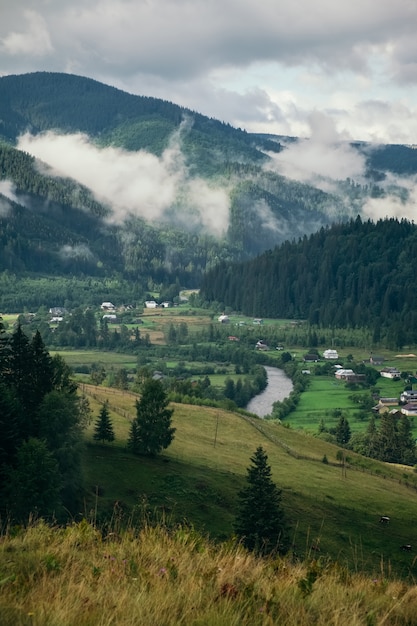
x: 178, y: 38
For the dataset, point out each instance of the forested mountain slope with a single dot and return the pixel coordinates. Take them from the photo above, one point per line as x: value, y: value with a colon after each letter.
x: 357, y: 274
x: 215, y: 195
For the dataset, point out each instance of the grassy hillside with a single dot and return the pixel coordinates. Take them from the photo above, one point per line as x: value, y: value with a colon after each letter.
x: 333, y: 507
x: 148, y: 576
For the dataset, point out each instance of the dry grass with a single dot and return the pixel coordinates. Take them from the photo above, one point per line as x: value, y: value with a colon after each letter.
x: 62, y: 577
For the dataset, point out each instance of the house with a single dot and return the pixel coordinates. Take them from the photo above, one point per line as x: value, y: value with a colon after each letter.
x: 376, y: 360
x: 349, y: 376
x: 311, y: 358
x: 223, y: 319
x: 166, y: 305
x: 151, y: 304
x: 57, y: 311
x: 107, y: 306
x: 261, y: 345
x: 233, y: 338
x: 258, y: 321
x: 343, y: 374
x: 330, y: 354
x: 390, y: 372
x: 110, y: 317
x: 409, y: 395
x: 409, y: 409
x: 384, y: 404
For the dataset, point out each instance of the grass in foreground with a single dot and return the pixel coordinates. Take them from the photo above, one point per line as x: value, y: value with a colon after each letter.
x: 61, y: 577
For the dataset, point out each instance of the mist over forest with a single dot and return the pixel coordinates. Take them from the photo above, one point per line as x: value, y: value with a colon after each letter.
x: 98, y: 182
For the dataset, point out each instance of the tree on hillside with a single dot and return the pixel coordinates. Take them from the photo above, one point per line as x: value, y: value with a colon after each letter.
x: 154, y: 419
x: 260, y: 522
x: 133, y: 442
x: 33, y: 483
x: 103, y: 429
x: 342, y: 431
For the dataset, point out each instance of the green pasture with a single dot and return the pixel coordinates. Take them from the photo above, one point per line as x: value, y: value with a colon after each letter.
x: 87, y: 357
x: 322, y: 397
x: 199, y: 475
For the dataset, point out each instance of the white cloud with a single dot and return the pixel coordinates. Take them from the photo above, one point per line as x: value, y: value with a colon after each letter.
x: 80, y: 251
x: 134, y: 183
x: 399, y: 202
x: 8, y: 189
x: 326, y: 156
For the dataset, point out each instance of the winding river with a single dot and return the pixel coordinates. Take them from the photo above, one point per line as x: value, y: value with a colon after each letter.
x: 279, y: 387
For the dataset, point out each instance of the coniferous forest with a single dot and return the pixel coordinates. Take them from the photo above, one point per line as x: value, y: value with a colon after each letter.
x: 352, y: 275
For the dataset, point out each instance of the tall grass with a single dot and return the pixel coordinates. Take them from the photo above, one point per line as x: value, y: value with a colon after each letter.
x: 155, y: 576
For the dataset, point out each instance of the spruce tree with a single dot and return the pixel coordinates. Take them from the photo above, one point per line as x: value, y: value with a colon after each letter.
x: 154, y: 418
x: 342, y: 431
x: 260, y: 522
x: 103, y: 429
x: 133, y: 442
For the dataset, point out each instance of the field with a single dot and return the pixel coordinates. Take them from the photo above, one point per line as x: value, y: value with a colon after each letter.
x: 332, y: 506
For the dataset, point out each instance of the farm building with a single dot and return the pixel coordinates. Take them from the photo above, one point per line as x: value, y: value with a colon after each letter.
x: 110, y: 317
x: 330, y: 354
x: 390, y: 372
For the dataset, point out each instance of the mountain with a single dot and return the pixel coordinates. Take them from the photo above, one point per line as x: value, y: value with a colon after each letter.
x: 149, y: 191
x: 357, y: 274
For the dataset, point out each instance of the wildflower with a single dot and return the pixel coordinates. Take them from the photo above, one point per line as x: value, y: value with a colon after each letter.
x: 162, y: 571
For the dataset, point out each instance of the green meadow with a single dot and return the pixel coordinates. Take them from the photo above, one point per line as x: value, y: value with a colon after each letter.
x: 333, y: 506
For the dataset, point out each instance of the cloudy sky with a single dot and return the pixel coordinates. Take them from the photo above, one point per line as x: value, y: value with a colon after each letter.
x: 274, y: 66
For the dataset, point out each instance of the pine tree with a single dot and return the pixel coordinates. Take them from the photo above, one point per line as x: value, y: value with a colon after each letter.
x: 343, y: 431
x: 406, y: 442
x: 260, y: 522
x: 34, y: 482
x: 154, y: 419
x: 103, y: 430
x: 133, y: 442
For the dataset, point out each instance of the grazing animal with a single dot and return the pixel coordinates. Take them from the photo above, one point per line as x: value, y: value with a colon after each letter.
x: 406, y: 547
x: 384, y: 519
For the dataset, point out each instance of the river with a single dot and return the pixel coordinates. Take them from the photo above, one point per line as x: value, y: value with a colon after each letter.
x: 279, y: 387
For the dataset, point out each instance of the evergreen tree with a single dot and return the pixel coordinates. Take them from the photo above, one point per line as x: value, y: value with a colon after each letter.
x: 260, y: 520
x: 342, y: 431
x: 387, y: 440
x: 406, y: 443
x: 34, y: 483
x: 133, y: 442
x: 154, y: 419
x: 103, y: 430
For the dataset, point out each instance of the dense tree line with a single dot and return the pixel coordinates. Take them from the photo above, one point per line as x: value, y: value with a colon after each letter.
x: 41, y: 421
x: 349, y: 275
x: 390, y: 440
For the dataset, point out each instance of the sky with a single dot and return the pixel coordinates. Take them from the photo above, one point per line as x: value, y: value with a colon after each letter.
x: 271, y: 66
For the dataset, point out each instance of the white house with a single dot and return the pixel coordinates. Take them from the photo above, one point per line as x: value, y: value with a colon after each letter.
x: 410, y: 395
x: 330, y: 354
x: 107, y: 306
x: 151, y: 304
x: 409, y: 409
x: 344, y: 374
x: 110, y: 317
x: 223, y: 319
x: 390, y: 372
